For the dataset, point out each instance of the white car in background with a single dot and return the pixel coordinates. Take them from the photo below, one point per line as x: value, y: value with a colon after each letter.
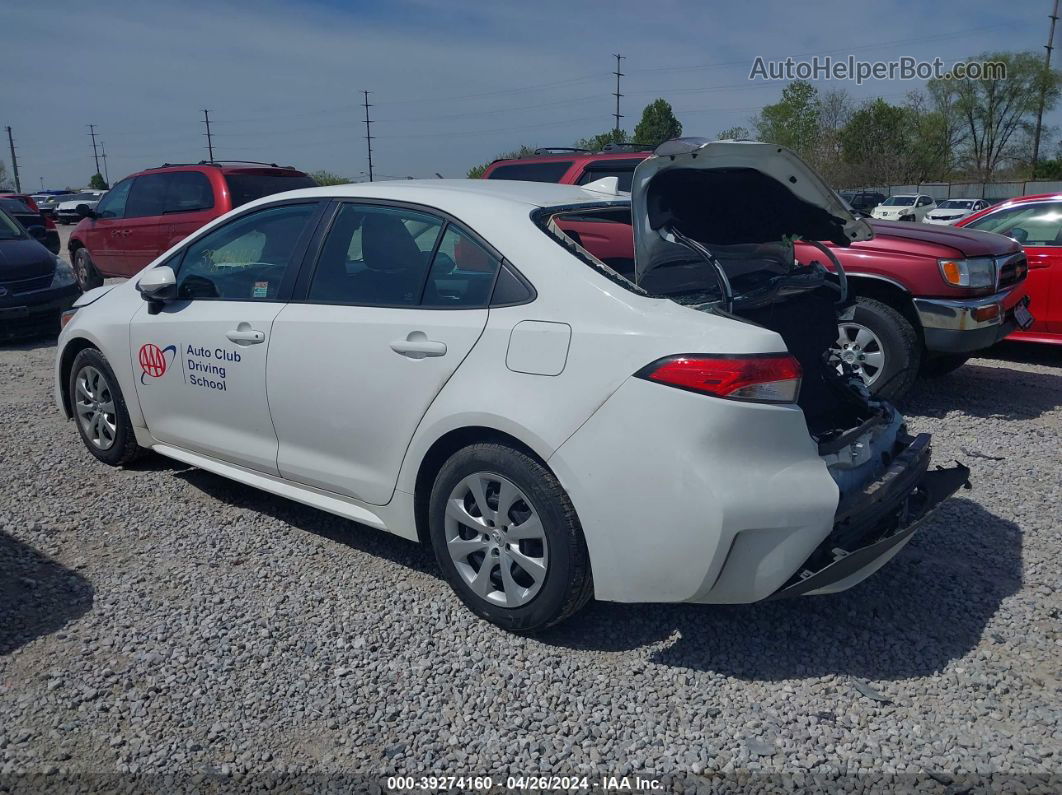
x: 66, y: 211
x: 951, y: 210
x: 904, y: 207
x: 444, y: 361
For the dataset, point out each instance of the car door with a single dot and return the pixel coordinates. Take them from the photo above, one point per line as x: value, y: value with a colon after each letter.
x: 189, y: 206
x: 395, y: 301
x: 142, y: 229
x: 102, y: 235
x: 1038, y: 227
x: 200, y: 362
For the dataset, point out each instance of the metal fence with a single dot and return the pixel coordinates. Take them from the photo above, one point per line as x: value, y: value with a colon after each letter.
x: 993, y: 191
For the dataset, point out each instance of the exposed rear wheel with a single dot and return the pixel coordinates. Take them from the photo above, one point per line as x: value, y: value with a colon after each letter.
x: 507, y: 538
x: 99, y: 410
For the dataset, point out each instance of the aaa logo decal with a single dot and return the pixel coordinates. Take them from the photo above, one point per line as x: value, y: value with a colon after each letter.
x: 153, y: 361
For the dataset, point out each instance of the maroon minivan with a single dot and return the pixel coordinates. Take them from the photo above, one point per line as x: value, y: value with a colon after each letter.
x: 150, y: 211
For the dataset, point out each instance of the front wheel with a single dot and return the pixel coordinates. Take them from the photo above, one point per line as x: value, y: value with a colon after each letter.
x: 85, y: 271
x: 881, y: 346
x: 99, y: 409
x: 506, y: 537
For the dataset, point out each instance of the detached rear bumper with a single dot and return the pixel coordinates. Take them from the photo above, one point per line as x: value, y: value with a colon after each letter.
x: 964, y: 326
x: 874, y: 523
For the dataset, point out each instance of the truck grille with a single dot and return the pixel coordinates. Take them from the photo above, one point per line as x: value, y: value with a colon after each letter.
x: 27, y: 285
x: 1011, y: 269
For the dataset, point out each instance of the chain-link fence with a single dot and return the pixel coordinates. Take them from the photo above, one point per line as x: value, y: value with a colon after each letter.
x: 993, y: 191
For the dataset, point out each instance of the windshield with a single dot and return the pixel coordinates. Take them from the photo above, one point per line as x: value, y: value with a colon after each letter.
x: 10, y: 229
x: 244, y: 188
x: 899, y: 201
x: 956, y: 204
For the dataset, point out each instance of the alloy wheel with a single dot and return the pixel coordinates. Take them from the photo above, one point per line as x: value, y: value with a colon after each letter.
x: 496, y: 540
x: 94, y: 404
x: 861, y: 349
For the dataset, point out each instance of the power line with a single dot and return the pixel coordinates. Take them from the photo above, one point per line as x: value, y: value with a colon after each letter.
x: 14, y: 160
x: 368, y: 131
x: 210, y: 141
x: 617, y: 93
x: 1043, y: 89
x: 95, y: 154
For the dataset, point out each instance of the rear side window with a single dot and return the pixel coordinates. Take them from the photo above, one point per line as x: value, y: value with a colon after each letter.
x: 532, y: 172
x: 147, y: 196
x: 462, y: 272
x: 622, y: 170
x: 244, y: 188
x: 188, y: 191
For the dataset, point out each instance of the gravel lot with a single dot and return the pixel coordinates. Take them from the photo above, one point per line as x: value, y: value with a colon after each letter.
x: 162, y: 620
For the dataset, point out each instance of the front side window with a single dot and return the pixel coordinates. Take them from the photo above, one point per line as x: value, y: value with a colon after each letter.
x: 147, y: 196
x: 248, y: 259
x: 10, y: 229
x: 112, y: 205
x: 188, y: 191
x: 1037, y: 224
x: 375, y: 256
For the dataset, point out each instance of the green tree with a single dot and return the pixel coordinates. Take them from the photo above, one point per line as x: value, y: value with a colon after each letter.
x: 595, y: 143
x: 98, y: 182
x: 879, y: 143
x: 999, y: 111
x: 793, y: 121
x: 323, y: 177
x: 524, y: 151
x: 735, y: 134
x: 3, y: 176
x: 658, y: 124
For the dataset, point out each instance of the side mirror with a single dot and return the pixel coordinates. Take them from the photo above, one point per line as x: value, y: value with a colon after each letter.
x: 84, y: 211
x: 158, y: 285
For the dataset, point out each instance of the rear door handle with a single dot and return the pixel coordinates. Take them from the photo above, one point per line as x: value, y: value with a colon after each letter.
x: 243, y: 334
x: 416, y: 345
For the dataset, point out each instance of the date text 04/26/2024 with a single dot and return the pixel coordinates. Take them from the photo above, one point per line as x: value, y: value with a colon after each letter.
x: 521, y: 783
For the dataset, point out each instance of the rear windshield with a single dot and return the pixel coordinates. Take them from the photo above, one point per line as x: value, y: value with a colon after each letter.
x: 532, y: 172
x: 244, y: 188
x: 15, y: 207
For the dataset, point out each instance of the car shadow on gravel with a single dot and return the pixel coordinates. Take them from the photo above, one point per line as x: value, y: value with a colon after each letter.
x: 927, y: 607
x: 37, y: 595
x: 988, y: 392
x: 312, y: 520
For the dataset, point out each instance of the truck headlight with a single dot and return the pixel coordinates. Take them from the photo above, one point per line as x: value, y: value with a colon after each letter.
x: 64, y: 274
x: 975, y: 272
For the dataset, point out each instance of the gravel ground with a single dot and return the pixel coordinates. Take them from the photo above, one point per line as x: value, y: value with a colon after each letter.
x: 162, y: 620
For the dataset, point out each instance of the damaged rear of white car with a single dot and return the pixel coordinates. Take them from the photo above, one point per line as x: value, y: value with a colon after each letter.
x: 718, y: 483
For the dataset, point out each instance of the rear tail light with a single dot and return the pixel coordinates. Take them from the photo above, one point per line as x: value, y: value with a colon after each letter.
x: 760, y: 378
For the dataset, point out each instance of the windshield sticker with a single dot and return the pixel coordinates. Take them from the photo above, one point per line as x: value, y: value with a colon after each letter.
x: 261, y: 290
x: 153, y: 361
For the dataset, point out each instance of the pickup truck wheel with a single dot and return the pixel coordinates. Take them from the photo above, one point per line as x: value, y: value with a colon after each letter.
x: 943, y: 364
x: 85, y: 272
x: 881, y: 346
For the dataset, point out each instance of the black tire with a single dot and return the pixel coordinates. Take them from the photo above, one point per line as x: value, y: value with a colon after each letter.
x: 567, y: 585
x: 85, y: 271
x: 123, y: 449
x: 899, y: 342
x: 942, y: 364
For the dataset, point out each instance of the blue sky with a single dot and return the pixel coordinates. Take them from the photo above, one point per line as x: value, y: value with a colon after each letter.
x: 453, y: 83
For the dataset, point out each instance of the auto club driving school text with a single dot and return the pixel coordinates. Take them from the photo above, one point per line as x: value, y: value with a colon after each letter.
x: 207, y: 368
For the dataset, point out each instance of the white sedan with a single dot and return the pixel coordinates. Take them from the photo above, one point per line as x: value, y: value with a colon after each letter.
x: 66, y: 211
x: 951, y: 210
x: 910, y: 207
x: 452, y: 362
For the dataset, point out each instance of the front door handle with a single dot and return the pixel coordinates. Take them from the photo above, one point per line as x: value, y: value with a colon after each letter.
x: 243, y: 334
x: 416, y: 345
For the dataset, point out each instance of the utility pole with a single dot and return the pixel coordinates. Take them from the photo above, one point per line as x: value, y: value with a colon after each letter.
x: 14, y: 162
x: 103, y: 154
x: 368, y: 131
x: 617, y: 93
x: 210, y: 139
x: 1043, y: 89
x: 95, y: 154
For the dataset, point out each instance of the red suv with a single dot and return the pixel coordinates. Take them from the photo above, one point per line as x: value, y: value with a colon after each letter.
x: 927, y: 296
x: 147, y: 213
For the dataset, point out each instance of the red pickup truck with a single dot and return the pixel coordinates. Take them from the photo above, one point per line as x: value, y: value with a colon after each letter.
x: 927, y: 296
